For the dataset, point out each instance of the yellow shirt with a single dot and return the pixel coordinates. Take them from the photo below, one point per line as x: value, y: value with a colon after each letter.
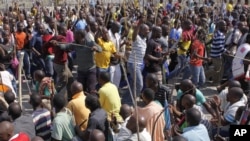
x: 185, y: 45
x: 102, y: 59
x: 110, y: 100
x: 78, y: 109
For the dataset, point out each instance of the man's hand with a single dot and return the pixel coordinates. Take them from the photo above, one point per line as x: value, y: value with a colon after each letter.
x: 208, y: 59
x: 176, y: 130
x: 172, y: 108
x: 214, y: 104
x: 94, y: 48
x: 219, y: 138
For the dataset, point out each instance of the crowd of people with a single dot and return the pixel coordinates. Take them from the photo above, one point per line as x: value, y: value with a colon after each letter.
x: 128, y: 58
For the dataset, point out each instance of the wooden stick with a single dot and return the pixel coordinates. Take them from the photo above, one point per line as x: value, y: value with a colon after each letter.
x: 20, y: 66
x: 52, y: 96
x: 238, y: 57
x: 75, y: 44
x: 126, y: 79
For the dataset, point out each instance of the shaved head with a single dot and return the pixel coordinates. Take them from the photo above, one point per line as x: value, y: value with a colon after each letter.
x: 15, y: 110
x: 188, y: 101
x: 96, y: 135
x: 76, y: 87
x: 234, y: 83
x: 6, y: 130
x: 142, y: 122
x: 125, y: 111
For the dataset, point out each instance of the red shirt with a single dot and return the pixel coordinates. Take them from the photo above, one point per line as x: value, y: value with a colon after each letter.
x: 20, y: 137
x: 47, y: 48
x: 198, y: 47
x: 61, y: 56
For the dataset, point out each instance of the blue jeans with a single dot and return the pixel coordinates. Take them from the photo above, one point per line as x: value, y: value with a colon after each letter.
x: 198, y: 75
x: 26, y: 61
x: 49, y: 68
x: 228, y: 62
x: 139, y: 77
x: 182, y: 66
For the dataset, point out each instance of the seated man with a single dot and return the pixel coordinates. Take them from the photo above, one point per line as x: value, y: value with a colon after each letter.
x: 188, y: 102
x: 77, y: 105
x: 43, y: 86
x: 63, y: 123
x: 225, y: 130
x: 7, y: 133
x: 142, y: 123
x: 41, y: 117
x: 195, y: 131
x: 22, y: 123
x: 234, y: 97
x: 187, y: 87
x: 97, y: 118
x: 96, y: 135
x: 9, y: 97
x: 151, y: 111
x: 223, y: 94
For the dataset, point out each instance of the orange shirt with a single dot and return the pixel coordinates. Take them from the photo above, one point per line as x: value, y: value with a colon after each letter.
x: 151, y: 112
x: 20, y: 40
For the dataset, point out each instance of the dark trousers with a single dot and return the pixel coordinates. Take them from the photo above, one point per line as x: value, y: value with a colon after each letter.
x: 88, y: 79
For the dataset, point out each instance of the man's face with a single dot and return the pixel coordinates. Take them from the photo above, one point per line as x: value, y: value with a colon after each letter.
x: 20, y: 27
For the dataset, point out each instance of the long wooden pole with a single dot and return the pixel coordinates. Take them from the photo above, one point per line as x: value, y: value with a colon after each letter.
x: 20, y: 66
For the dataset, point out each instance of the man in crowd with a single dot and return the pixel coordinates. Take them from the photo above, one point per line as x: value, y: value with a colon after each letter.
x: 109, y: 97
x: 63, y: 123
x: 41, y: 117
x: 77, y: 105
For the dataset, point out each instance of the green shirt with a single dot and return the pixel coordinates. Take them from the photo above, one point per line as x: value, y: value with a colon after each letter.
x: 63, y: 126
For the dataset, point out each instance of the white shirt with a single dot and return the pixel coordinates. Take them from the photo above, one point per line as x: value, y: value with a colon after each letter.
x: 230, y: 111
x: 115, y: 38
x: 223, y: 98
x: 144, y: 136
x: 138, y: 50
x: 6, y: 78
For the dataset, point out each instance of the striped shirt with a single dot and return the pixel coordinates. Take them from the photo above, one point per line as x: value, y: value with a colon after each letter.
x: 138, y: 51
x: 218, y: 44
x: 42, y: 121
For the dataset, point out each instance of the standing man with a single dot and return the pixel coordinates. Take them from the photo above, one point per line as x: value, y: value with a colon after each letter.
x: 109, y: 97
x: 136, y: 58
x: 36, y: 45
x: 102, y: 59
x: 64, y: 75
x: 240, y: 67
x: 80, y: 23
x: 85, y: 51
x: 156, y: 49
x: 196, y: 58
x: 21, y: 40
x: 115, y: 68
x: 217, y: 49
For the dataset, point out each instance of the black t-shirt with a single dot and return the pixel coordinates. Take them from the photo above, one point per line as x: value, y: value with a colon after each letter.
x: 155, y: 47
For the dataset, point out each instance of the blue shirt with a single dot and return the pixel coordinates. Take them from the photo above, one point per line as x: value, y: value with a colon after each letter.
x: 218, y: 44
x: 80, y: 25
x: 196, y: 133
x: 37, y: 42
x: 174, y: 34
